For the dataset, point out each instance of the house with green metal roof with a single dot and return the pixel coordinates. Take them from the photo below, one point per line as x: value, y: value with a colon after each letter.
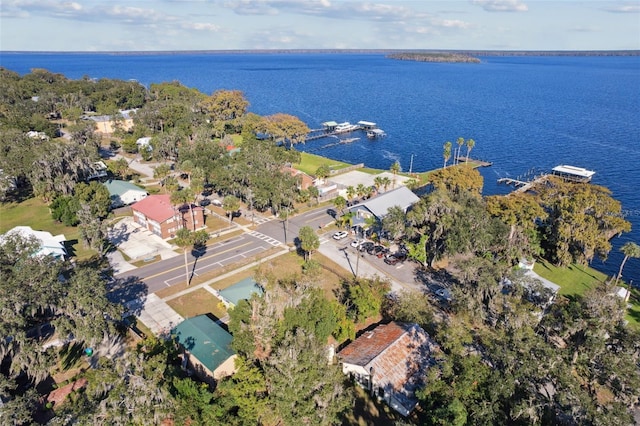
x: 207, y: 347
x: 124, y: 193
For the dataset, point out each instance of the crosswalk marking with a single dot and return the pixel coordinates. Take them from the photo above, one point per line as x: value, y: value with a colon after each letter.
x: 262, y: 220
x: 265, y: 238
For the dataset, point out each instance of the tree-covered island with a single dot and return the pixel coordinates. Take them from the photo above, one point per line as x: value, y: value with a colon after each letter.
x: 447, y: 57
x: 504, y: 349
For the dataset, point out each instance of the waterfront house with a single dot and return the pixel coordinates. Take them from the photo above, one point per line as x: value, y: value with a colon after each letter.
x: 49, y: 245
x: 207, y: 347
x: 124, y: 193
x: 390, y: 362
x: 157, y: 214
x: 379, y: 206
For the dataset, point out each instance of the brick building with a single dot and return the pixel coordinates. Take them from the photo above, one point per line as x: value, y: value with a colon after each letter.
x: 157, y: 214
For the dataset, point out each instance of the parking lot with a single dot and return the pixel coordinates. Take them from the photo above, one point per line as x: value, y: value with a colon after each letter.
x: 402, y: 272
x: 137, y: 242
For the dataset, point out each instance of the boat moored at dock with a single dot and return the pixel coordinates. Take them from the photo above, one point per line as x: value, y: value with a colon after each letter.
x: 376, y: 133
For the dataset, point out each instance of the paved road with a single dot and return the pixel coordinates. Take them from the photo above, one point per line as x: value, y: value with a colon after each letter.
x: 166, y: 273
x: 316, y: 219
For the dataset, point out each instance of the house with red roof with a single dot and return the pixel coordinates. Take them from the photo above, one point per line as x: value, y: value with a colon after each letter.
x: 390, y: 361
x: 157, y: 214
x: 304, y: 180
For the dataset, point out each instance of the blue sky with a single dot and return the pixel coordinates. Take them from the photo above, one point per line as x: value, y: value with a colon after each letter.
x: 140, y: 25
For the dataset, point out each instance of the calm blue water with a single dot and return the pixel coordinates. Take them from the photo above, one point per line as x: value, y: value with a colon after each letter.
x: 523, y: 112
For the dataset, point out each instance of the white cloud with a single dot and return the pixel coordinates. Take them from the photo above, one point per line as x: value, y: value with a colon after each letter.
x: 201, y: 26
x: 358, y: 10
x: 624, y: 8
x: 452, y: 23
x: 501, y: 5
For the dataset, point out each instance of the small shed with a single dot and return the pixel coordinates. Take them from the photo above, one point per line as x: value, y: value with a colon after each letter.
x: 207, y: 346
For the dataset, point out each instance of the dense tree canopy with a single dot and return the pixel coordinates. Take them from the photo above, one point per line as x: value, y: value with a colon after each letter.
x: 581, y: 220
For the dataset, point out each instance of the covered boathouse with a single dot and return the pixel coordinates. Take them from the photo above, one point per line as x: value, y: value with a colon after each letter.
x: 572, y: 173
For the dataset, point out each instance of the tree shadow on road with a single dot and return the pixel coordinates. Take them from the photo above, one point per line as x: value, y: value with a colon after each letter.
x: 126, y: 290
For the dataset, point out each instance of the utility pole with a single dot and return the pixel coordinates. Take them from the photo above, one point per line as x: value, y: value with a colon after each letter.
x: 411, y: 164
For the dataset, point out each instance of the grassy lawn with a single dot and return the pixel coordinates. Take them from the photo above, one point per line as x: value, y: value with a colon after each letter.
x: 35, y: 213
x: 577, y: 279
x: 328, y: 279
x: 310, y: 163
x: 574, y: 279
x: 197, y: 303
x: 214, y: 223
x: 166, y: 292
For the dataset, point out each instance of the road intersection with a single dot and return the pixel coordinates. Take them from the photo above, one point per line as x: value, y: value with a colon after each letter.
x: 267, y: 235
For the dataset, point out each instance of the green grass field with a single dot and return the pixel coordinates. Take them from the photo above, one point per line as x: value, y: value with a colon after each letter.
x: 35, y: 213
x: 574, y: 279
x: 310, y: 163
x: 577, y: 279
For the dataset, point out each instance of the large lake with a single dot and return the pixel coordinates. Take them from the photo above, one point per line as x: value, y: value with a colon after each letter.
x: 526, y: 114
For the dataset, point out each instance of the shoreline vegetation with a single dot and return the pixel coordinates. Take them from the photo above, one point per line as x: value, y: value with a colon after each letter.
x: 445, y: 57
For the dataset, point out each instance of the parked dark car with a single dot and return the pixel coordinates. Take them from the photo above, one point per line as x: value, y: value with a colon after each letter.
x: 331, y: 212
x: 366, y: 246
x: 391, y: 260
x: 383, y: 253
x: 205, y: 202
x: 401, y: 255
x: 377, y: 250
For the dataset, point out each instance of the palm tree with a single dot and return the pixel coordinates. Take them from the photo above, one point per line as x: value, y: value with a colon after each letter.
x: 340, y: 203
x: 395, y: 169
x: 351, y: 192
x: 171, y: 184
x: 230, y: 204
x: 182, y: 197
x: 186, y: 167
x: 456, y: 158
x: 315, y: 193
x: 377, y: 182
x: 629, y: 249
x: 446, y: 154
x: 184, y: 239
x: 361, y: 190
x: 385, y: 183
x: 470, y: 144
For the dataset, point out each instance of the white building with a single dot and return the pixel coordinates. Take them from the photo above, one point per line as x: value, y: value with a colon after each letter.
x: 124, y: 193
x: 49, y: 245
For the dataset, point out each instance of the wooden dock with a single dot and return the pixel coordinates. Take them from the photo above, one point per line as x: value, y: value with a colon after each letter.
x: 322, y: 133
x: 521, y: 185
x: 479, y: 163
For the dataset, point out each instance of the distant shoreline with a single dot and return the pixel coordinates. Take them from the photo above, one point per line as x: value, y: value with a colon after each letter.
x: 346, y: 51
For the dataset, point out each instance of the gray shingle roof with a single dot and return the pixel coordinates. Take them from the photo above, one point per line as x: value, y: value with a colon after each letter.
x: 379, y: 205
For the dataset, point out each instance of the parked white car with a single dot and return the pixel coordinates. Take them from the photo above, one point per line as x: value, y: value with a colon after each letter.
x: 356, y: 243
x: 340, y: 235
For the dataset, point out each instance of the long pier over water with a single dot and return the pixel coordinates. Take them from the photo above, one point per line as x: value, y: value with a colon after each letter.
x: 521, y: 185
